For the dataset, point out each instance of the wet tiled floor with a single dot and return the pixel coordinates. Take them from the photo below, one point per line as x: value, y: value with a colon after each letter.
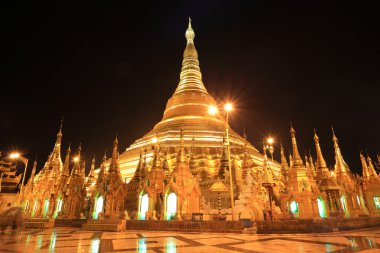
x: 76, y: 240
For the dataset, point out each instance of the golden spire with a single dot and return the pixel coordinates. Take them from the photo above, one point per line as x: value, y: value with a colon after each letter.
x: 340, y: 165
x: 371, y: 168
x: 57, y: 146
x: 181, y: 157
x: 321, y: 163
x: 137, y: 175
x: 364, y: 166
x: 31, y: 179
x: 113, y: 164
x: 297, y: 161
x: 284, y: 162
x: 190, y: 35
x: 92, y: 170
x: 66, y: 164
x: 197, y: 100
x: 102, y: 169
x: 156, y: 157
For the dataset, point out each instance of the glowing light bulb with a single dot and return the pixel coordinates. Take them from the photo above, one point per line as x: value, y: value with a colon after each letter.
x: 270, y: 140
x: 14, y: 155
x: 76, y: 159
x: 155, y: 139
x: 212, y: 110
x: 228, y: 107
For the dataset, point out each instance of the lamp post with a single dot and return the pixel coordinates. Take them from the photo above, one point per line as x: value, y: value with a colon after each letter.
x: 269, y: 146
x: 18, y: 156
x: 268, y: 184
x: 213, y: 110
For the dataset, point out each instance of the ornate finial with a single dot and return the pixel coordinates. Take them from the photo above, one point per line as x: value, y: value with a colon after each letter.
x: 60, y: 128
x: 80, y: 148
x: 291, y: 128
x: 334, y: 137
x: 105, y: 156
x: 116, y: 141
x: 244, y: 134
x: 190, y: 33
x: 316, y: 139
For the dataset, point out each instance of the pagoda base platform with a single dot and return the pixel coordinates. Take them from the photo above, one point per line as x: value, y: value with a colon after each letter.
x: 188, y: 226
x: 66, y: 222
x: 105, y: 225
x: 315, y: 226
x: 41, y: 223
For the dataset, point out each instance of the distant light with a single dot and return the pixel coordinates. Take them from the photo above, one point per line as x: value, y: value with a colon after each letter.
x: 14, y: 155
x: 212, y: 110
x: 76, y: 159
x: 155, y: 140
x: 228, y: 107
x: 270, y: 140
x: 332, y: 173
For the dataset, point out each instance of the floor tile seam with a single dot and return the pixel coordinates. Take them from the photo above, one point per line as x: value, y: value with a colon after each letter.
x: 235, y: 249
x: 189, y: 241
x: 316, y: 242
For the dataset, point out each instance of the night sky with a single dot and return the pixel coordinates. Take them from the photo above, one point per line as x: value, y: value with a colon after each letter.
x: 110, y: 71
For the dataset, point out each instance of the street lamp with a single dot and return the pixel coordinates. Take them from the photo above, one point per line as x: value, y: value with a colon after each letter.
x: 269, y: 146
x: 18, y: 156
x: 76, y: 159
x: 213, y: 110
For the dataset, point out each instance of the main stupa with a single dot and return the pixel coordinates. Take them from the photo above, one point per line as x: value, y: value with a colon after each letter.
x: 187, y: 109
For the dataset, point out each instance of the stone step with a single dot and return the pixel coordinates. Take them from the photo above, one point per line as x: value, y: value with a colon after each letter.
x: 38, y: 223
x: 116, y: 222
x: 252, y: 230
x: 105, y: 225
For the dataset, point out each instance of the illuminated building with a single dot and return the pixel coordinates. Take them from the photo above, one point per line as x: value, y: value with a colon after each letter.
x: 183, y: 166
x: 371, y: 186
x: 188, y: 108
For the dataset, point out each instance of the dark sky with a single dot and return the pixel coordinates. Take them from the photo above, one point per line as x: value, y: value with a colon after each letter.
x: 111, y: 70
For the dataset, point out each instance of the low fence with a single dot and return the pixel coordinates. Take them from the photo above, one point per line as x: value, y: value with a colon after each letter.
x: 200, y: 226
x: 315, y: 226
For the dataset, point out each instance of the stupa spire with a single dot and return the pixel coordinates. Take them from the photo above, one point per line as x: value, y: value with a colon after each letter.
x: 197, y: 100
x: 190, y: 35
x: 92, y: 169
x: 297, y: 161
x: 364, y: 166
x: 31, y: 179
x: 284, y: 162
x: 137, y: 175
x: 156, y: 157
x: 57, y: 146
x: 181, y: 154
x: 102, y: 169
x: 114, y: 160
x: 340, y: 165
x: 371, y: 168
x: 66, y: 164
x: 321, y: 163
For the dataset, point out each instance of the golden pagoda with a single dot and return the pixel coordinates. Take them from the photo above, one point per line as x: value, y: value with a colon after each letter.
x: 188, y: 108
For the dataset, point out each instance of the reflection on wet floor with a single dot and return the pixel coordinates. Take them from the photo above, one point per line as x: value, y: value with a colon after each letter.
x: 76, y: 240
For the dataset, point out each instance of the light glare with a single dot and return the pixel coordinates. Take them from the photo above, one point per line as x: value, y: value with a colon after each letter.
x: 212, y: 110
x: 14, y: 155
x: 270, y: 140
x: 228, y: 107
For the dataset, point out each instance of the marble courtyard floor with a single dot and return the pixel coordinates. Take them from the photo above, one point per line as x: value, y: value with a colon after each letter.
x: 76, y: 240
